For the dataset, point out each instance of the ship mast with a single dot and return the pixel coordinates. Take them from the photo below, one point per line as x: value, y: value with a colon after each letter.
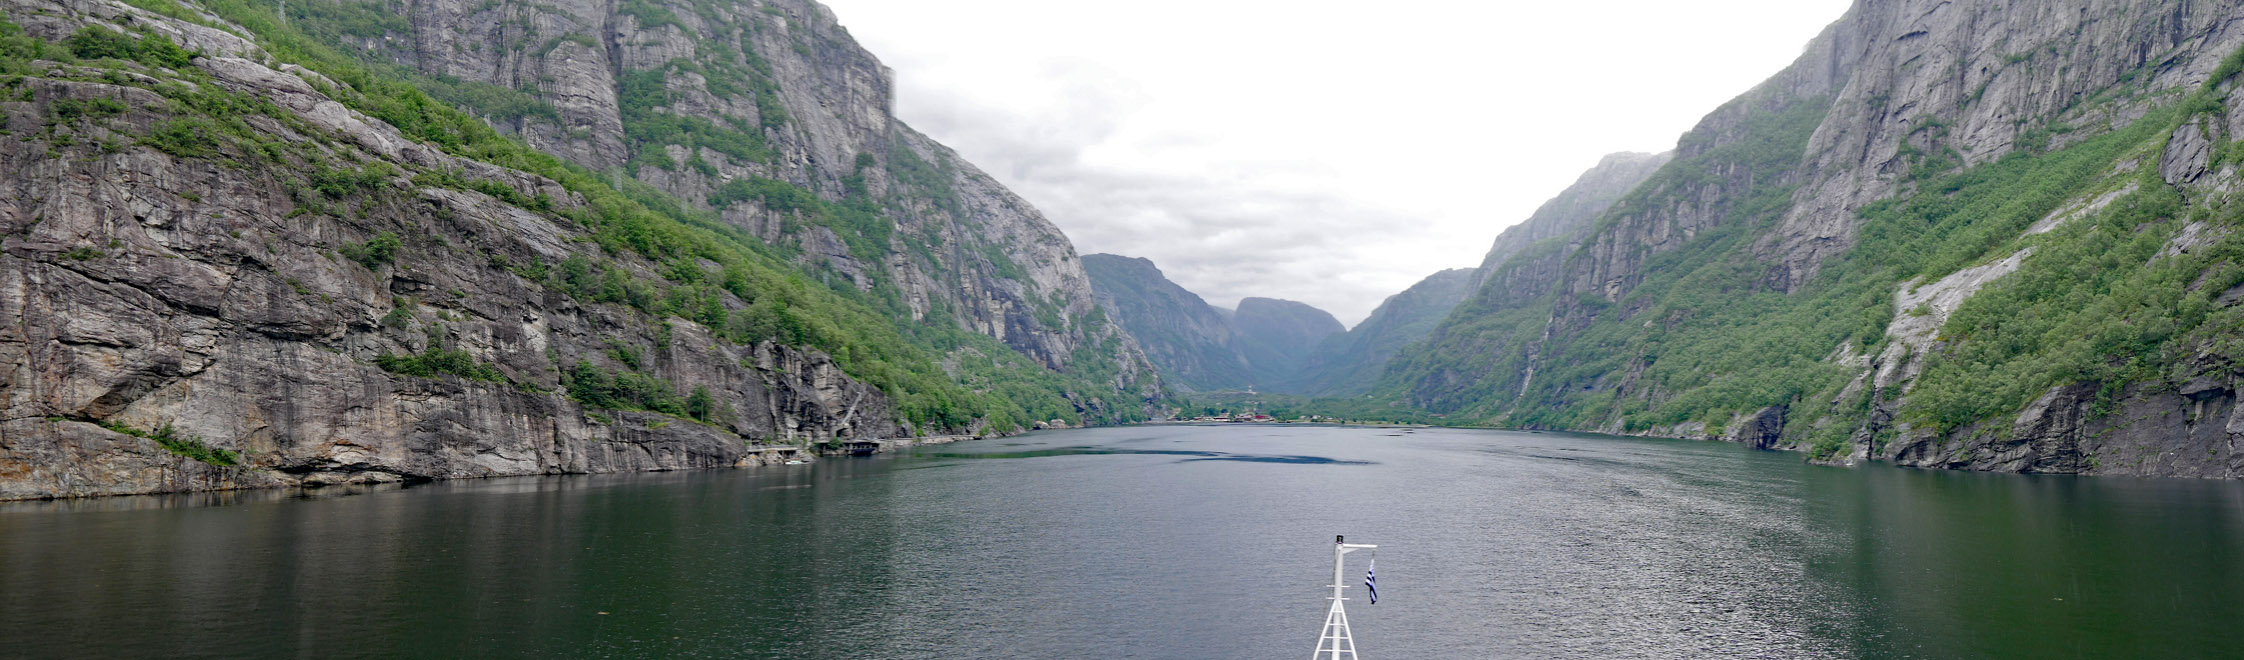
x: 1337, y: 643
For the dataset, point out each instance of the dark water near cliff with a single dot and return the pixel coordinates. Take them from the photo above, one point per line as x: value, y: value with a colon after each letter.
x: 1159, y: 542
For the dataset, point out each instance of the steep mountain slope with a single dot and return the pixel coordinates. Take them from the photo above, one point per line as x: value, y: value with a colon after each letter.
x: 220, y: 268
x: 1278, y: 336
x: 1186, y: 338
x: 1349, y: 364
x: 1979, y: 234
x: 767, y: 112
x: 1573, y: 209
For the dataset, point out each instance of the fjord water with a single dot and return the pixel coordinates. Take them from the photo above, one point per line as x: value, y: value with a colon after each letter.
x: 1156, y: 542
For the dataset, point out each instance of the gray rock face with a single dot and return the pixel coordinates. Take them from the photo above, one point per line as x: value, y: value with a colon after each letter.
x: 1971, y: 79
x: 1763, y: 429
x: 143, y: 290
x: 1186, y: 338
x: 1526, y: 263
x: 1889, y: 96
x: 1349, y: 364
x: 2187, y: 155
x: 785, y: 78
x: 1574, y: 208
x: 2188, y: 433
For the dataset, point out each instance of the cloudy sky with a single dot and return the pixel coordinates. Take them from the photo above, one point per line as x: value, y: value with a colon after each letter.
x: 1327, y: 152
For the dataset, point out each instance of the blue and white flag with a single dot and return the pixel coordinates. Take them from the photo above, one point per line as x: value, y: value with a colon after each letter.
x: 1371, y: 580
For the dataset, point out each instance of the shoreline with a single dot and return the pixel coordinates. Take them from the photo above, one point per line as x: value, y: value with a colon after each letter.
x: 313, y: 485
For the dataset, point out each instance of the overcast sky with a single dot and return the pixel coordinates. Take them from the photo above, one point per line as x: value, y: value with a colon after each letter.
x: 1328, y: 152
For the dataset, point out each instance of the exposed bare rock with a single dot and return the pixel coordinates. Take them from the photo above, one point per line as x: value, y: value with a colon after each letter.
x: 2194, y: 236
x: 2080, y: 209
x: 1933, y: 77
x: 1647, y: 322
x: 1574, y: 208
x: 2191, y: 432
x: 785, y: 75
x: 1919, y: 310
x: 2187, y: 155
x: 1763, y: 429
x: 145, y: 291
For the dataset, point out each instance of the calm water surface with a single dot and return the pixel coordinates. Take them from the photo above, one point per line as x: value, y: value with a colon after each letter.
x: 1156, y: 542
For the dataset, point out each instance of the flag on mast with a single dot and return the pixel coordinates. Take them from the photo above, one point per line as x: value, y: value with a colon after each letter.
x: 1371, y: 580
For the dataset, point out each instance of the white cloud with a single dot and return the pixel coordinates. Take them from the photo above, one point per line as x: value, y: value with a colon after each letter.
x: 1328, y: 152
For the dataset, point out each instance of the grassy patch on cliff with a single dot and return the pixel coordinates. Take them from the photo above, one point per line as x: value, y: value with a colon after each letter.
x: 437, y: 360
x: 857, y: 220
x: 1719, y: 345
x: 180, y: 443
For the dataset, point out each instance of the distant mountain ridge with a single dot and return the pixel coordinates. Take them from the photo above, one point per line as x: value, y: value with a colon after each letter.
x: 1264, y: 343
x: 1190, y: 341
x: 1278, y: 337
x: 1350, y: 363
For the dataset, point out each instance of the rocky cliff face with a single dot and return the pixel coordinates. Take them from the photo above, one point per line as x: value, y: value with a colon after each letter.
x: 1844, y: 258
x: 1574, y: 208
x: 1940, y: 83
x: 1349, y: 364
x: 217, y: 272
x: 1186, y: 338
x: 768, y: 112
x: 147, y: 291
x: 1527, y: 258
x: 1521, y: 268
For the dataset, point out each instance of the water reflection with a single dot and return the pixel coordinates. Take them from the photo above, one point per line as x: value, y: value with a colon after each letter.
x: 1493, y: 545
x: 1188, y: 454
x: 184, y: 500
x: 629, y: 566
x: 1949, y: 564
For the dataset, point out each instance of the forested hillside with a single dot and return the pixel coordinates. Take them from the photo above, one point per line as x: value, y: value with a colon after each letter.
x: 1961, y: 234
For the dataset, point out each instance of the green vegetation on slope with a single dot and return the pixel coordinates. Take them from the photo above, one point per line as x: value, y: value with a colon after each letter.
x: 645, y: 96
x: 991, y: 382
x: 1701, y: 280
x: 439, y: 358
x: 182, y: 444
x: 1702, y: 339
